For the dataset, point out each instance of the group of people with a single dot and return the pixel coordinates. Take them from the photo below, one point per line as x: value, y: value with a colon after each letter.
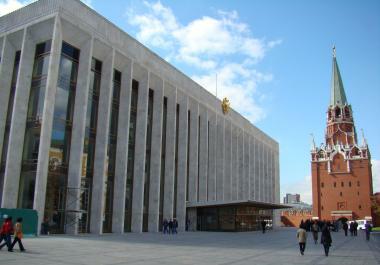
x: 325, y: 226
x: 326, y: 239
x: 7, y: 229
x: 353, y: 227
x: 169, y: 227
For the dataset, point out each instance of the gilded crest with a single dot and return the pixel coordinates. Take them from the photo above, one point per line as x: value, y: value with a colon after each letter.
x: 225, y: 106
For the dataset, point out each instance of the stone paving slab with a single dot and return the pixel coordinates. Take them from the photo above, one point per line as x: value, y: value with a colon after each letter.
x: 273, y: 248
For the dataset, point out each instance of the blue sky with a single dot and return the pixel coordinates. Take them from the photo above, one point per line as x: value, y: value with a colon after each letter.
x: 273, y: 60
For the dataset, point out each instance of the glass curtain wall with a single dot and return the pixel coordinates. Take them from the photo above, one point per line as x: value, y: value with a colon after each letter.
x: 131, y: 157
x: 8, y: 120
x: 232, y: 218
x: 147, y: 161
x: 162, y: 175
x: 33, y: 125
x: 89, y: 143
x: 59, y: 152
x: 111, y: 152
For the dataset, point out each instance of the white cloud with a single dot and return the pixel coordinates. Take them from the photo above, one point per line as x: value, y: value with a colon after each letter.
x: 302, y: 187
x: 8, y: 6
x: 375, y: 175
x: 221, y: 45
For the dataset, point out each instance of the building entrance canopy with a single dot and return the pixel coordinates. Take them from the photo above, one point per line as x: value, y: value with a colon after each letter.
x: 263, y: 205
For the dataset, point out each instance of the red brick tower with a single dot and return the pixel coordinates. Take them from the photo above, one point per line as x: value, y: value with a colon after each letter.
x: 341, y: 167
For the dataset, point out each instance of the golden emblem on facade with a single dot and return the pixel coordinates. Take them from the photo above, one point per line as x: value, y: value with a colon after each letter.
x: 225, y: 106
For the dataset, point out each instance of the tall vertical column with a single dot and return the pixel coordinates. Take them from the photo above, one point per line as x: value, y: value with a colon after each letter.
x: 240, y: 155
x: 219, y: 157
x: 252, y: 168
x: 118, y: 214
x: 271, y: 174
x: 47, y: 118
x: 234, y: 164
x: 277, y: 217
x: 77, y: 132
x: 265, y: 173
x: 171, y: 95
x: 227, y: 161
x: 261, y: 171
x: 257, y: 176
x: 100, y: 159
x: 193, y: 148
x: 211, y: 181
x: 246, y: 167
x: 182, y: 159
x: 157, y: 85
x: 141, y: 75
x: 17, y: 130
x: 6, y: 68
x: 203, y: 153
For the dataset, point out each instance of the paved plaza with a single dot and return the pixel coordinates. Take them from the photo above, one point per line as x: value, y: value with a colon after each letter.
x: 275, y: 247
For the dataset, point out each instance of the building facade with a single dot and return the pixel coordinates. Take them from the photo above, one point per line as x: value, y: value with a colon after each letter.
x: 292, y: 198
x: 341, y: 167
x: 99, y: 134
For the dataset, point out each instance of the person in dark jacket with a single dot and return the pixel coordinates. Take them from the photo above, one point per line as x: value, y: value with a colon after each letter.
x: 345, y: 228
x: 263, y: 226
x: 175, y: 226
x: 170, y: 224
x: 326, y: 239
x: 165, y: 226
x: 352, y: 228
x: 356, y: 228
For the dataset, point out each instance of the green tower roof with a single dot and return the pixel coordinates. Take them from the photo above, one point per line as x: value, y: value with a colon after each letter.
x: 338, y: 97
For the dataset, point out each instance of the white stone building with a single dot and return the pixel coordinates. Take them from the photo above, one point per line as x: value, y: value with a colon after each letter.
x: 99, y: 134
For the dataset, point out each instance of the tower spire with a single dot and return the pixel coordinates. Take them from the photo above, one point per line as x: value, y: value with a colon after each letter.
x: 338, y: 96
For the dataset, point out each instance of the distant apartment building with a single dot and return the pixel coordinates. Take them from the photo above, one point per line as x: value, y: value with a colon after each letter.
x: 292, y: 198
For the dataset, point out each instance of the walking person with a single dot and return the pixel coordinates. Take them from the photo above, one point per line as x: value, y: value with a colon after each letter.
x: 345, y: 228
x: 263, y: 226
x: 165, y: 226
x: 170, y: 224
x: 6, y: 231
x: 326, y: 239
x: 301, y: 236
x: 314, y: 228
x: 3, y: 235
x: 352, y: 228
x: 356, y: 228
x: 175, y: 226
x: 368, y: 229
x: 18, y: 235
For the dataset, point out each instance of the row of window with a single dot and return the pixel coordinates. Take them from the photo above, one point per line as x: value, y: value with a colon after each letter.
x: 341, y: 194
x: 342, y: 184
x: 360, y: 207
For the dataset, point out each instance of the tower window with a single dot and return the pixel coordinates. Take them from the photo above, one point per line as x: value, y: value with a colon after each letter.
x: 341, y: 194
x: 358, y: 193
x: 358, y: 183
x: 334, y: 184
x: 322, y: 208
x: 322, y: 184
x: 360, y: 207
x: 342, y: 184
x: 349, y: 183
x: 337, y: 112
